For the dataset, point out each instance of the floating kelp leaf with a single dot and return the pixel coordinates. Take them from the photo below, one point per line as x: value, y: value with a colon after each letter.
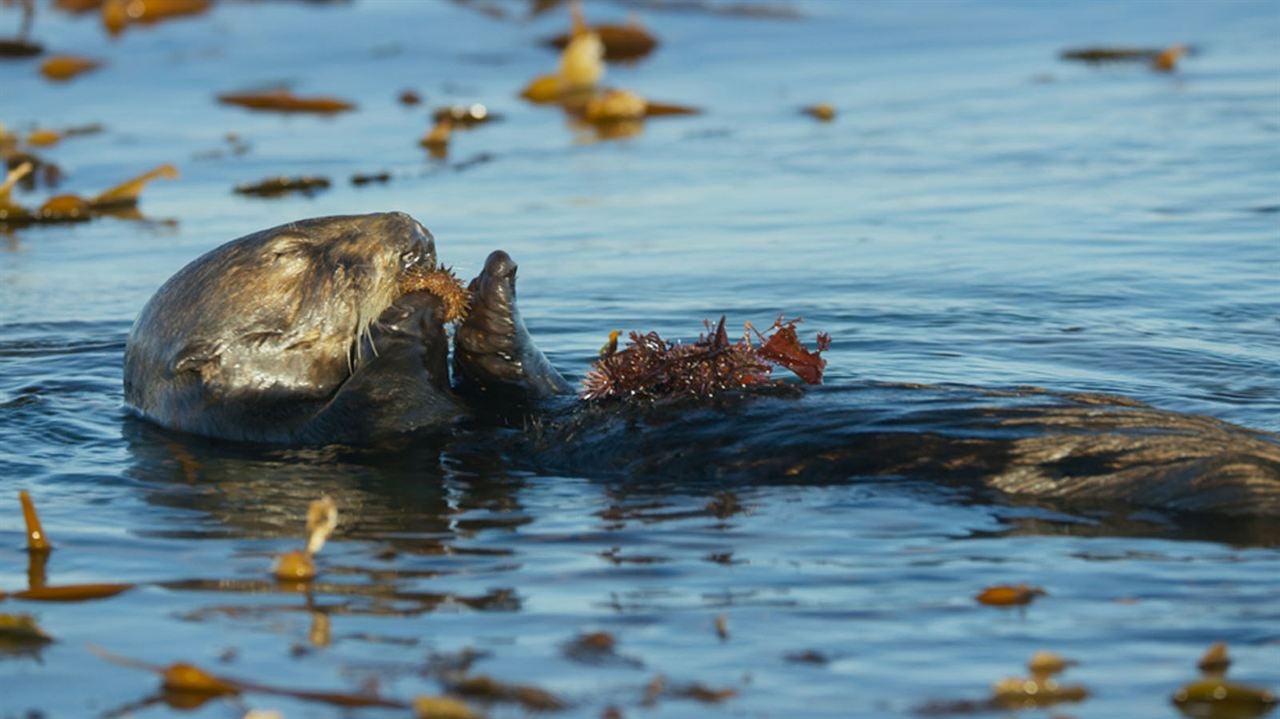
x: 409, y: 98
x: 77, y: 7
x: 622, y: 43
x: 1220, y: 699
x: 784, y: 348
x: 543, y: 89
x: 43, y: 137
x: 703, y: 693
x: 37, y: 540
x: 119, y: 14
x: 322, y: 519
x: 614, y: 106
x: 295, y: 566
x: 16, y: 47
x: 822, y: 111
x: 61, y: 68
x: 73, y: 592
x: 1213, y: 697
x: 662, y: 109
x: 808, y: 656
x: 127, y: 192
x: 65, y: 208
x: 1040, y: 689
x: 1111, y: 54
x: 276, y: 186
x: 598, y: 649
x: 434, y: 707
x: 489, y: 689
x: 285, y: 101
x: 437, y: 138
x: 582, y: 61
x: 1216, y: 661
x: 21, y: 630
x: 580, y: 70
x: 188, y: 680
x: 1003, y: 595
x: 360, y: 178
x: 464, y: 116
x: 1167, y: 61
x: 442, y: 283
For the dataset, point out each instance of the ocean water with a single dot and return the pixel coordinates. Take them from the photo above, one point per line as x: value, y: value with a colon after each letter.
x: 980, y: 212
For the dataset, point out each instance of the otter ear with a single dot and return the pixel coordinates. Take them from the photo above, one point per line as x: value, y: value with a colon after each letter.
x: 199, y: 356
x: 288, y: 243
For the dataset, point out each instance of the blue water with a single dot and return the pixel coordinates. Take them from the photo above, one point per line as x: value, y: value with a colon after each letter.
x: 980, y: 212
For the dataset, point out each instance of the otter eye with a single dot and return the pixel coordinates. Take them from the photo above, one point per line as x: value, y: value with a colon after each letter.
x: 410, y: 258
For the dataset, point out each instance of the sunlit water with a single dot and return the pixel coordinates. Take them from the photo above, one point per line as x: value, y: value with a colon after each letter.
x: 980, y: 213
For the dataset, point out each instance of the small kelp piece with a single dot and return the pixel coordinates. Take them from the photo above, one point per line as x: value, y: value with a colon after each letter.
x: 464, y: 116
x: 126, y: 193
x: 43, y: 137
x: 285, y: 101
x: 543, y: 89
x: 1096, y: 55
x: 579, y: 72
x: 582, y: 61
x: 1216, y: 661
x: 1040, y: 689
x: 9, y: 210
x: 1167, y: 60
x: 784, y: 348
x: 61, y: 68
x: 277, y: 186
x: 17, y: 47
x: 188, y: 681
x: 440, y: 707
x: 1005, y: 595
x: 614, y: 106
x: 37, y: 540
x: 18, y: 630
x: 622, y: 43
x: 442, y: 283
x: 1214, y: 697
x: 119, y: 14
x: 823, y: 111
x: 322, y: 519
x: 191, y: 679
x: 73, y: 592
x: 487, y: 688
x: 298, y: 566
x: 437, y: 138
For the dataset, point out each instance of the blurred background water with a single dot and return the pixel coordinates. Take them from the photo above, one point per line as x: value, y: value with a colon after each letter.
x: 980, y: 212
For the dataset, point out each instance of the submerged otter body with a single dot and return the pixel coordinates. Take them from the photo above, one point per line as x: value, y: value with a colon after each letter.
x: 299, y: 335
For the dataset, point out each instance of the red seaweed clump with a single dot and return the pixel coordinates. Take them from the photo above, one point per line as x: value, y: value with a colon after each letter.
x: 651, y: 367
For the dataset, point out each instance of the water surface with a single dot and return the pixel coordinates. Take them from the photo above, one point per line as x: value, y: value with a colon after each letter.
x: 979, y: 213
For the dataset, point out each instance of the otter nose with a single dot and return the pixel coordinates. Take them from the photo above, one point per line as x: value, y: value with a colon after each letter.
x: 500, y: 264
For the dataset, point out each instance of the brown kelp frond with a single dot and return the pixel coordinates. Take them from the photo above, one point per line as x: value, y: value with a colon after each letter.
x: 651, y: 367
x: 783, y: 347
x: 442, y: 283
x: 127, y: 192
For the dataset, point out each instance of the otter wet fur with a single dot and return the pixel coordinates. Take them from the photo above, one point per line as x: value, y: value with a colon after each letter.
x: 332, y: 330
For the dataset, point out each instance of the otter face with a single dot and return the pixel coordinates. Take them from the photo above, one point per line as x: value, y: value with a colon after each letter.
x: 281, y: 317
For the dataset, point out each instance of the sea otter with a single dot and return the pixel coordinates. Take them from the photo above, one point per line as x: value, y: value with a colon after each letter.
x: 308, y: 333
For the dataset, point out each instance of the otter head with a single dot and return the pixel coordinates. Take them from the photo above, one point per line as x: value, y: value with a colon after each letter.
x: 279, y: 318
